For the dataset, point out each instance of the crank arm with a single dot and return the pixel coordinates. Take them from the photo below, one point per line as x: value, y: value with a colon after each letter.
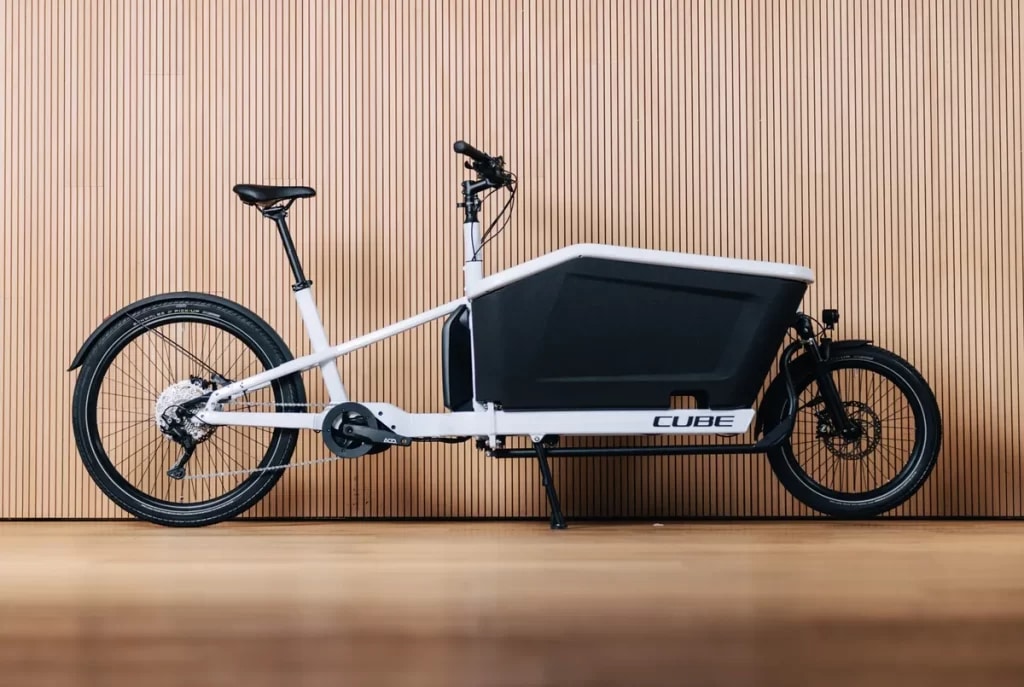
x: 376, y: 436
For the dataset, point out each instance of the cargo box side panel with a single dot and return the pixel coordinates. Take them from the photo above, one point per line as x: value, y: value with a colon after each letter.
x: 600, y: 333
x: 456, y: 361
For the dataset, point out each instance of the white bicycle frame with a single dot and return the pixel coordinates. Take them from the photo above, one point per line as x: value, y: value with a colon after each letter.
x: 485, y: 420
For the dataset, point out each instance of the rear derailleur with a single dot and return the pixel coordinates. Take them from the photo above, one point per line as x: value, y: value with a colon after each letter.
x: 175, y: 417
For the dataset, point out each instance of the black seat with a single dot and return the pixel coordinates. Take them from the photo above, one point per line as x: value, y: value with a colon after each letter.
x: 252, y: 194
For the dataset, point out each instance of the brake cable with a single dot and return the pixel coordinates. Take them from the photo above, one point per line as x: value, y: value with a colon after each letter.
x: 487, y: 236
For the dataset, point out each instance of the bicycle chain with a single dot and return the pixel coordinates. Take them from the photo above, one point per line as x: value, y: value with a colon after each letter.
x: 249, y: 471
x: 231, y: 473
x: 269, y: 404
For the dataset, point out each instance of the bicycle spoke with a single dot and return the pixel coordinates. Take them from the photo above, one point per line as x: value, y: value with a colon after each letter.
x: 224, y: 351
x: 153, y: 364
x: 134, y: 398
x: 137, y: 451
x: 168, y: 364
x: 225, y: 453
x: 130, y: 439
x: 150, y: 389
x: 124, y: 429
x: 120, y: 422
x: 134, y: 413
x: 230, y: 370
x: 177, y: 346
x: 882, y: 450
x: 864, y: 471
x: 220, y: 479
x: 149, y: 463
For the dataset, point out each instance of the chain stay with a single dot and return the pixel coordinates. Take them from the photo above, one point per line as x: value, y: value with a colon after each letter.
x: 249, y: 471
x: 269, y: 404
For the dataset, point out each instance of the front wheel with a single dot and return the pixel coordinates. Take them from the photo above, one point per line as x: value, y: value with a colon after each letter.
x: 895, y: 449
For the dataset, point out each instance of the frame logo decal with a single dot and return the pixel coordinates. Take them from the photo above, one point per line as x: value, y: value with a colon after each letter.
x: 694, y: 421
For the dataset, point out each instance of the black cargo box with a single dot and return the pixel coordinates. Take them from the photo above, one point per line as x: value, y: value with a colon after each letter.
x: 600, y: 333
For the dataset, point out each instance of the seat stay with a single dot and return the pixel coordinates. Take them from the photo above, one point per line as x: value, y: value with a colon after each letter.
x: 324, y: 355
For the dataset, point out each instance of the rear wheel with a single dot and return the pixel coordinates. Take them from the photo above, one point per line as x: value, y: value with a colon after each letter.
x: 893, y: 453
x: 146, y: 367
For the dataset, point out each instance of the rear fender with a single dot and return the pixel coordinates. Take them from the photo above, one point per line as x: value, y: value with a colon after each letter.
x: 104, y: 326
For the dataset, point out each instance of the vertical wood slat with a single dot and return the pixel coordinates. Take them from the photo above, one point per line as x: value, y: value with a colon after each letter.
x: 880, y: 143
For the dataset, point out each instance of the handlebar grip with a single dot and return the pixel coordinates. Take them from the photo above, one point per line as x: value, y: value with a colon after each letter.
x: 464, y: 148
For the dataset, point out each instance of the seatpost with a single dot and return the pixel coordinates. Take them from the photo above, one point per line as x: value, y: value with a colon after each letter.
x: 278, y: 214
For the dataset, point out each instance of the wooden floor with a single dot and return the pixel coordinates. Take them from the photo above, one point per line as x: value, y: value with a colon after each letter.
x: 512, y: 604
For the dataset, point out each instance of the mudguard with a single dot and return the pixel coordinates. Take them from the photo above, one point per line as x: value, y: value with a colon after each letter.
x: 775, y: 396
x: 98, y: 333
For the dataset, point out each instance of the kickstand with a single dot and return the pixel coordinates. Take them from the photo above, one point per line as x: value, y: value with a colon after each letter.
x: 557, y: 519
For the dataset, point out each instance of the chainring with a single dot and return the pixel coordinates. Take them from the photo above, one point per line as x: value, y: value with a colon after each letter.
x: 332, y: 430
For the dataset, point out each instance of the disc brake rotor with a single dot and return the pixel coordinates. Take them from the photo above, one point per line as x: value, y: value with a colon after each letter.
x: 866, y: 442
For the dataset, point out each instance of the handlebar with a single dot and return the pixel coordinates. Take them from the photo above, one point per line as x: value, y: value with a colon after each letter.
x: 463, y: 148
x: 490, y: 168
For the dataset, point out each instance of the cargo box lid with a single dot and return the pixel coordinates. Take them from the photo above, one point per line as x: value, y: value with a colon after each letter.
x: 642, y: 255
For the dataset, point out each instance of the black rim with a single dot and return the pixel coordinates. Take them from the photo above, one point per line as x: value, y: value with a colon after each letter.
x: 122, y: 411
x: 887, y: 409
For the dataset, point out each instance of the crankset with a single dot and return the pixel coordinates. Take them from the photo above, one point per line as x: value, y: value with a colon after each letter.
x: 350, y: 430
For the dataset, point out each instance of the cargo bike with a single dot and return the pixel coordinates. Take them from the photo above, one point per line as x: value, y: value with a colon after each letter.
x: 188, y: 406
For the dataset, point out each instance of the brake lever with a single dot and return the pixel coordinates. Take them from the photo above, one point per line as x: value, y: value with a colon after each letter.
x: 493, y: 170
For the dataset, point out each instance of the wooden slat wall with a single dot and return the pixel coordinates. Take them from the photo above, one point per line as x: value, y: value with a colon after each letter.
x: 878, y: 142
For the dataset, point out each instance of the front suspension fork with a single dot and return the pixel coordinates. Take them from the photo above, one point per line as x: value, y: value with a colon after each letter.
x: 826, y: 385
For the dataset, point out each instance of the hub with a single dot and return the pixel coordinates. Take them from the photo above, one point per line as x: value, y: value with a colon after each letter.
x: 174, y: 412
x: 859, y: 443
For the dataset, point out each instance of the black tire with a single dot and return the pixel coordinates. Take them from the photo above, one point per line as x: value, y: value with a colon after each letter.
x: 110, y: 369
x: 909, y: 453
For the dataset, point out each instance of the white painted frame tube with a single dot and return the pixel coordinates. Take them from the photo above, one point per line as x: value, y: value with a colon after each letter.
x: 317, y: 358
x: 318, y: 341
x: 521, y: 423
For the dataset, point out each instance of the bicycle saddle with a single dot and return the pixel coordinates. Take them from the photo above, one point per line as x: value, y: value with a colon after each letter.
x: 255, y: 193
